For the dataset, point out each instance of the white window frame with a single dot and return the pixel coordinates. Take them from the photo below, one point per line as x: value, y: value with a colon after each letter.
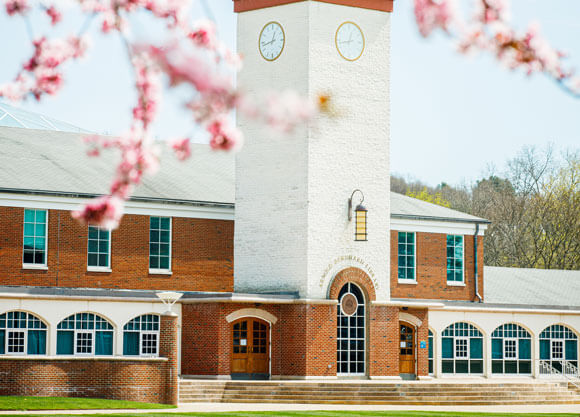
x: 162, y: 271
x: 505, y: 350
x: 84, y: 331
x: 562, y: 351
x: 99, y: 268
x: 407, y: 280
x: 462, y: 282
x: 141, y: 347
x: 19, y: 330
x: 467, y: 345
x: 33, y: 265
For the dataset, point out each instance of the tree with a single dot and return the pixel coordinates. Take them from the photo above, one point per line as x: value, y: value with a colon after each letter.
x: 195, y: 57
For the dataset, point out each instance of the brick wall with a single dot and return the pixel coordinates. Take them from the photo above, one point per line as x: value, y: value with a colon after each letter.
x: 202, y: 254
x: 431, y: 269
x: 143, y: 380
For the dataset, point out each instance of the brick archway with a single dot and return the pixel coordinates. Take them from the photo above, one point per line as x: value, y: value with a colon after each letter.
x: 354, y: 275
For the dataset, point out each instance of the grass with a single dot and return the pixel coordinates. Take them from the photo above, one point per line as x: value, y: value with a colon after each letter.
x: 334, y: 414
x: 65, y: 403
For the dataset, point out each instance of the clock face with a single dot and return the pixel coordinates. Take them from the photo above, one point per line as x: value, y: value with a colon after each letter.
x: 350, y: 41
x: 271, y: 41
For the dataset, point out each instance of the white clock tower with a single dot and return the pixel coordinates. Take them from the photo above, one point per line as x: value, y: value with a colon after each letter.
x: 292, y: 229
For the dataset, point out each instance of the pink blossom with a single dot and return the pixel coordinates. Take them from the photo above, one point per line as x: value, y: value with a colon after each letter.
x: 105, y: 212
x: 433, y: 14
x: 204, y: 34
x: 181, y: 147
x: 224, y: 136
x: 54, y: 14
x: 14, y: 7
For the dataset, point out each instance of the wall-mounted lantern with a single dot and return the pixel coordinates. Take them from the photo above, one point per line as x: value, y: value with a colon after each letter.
x: 360, y: 217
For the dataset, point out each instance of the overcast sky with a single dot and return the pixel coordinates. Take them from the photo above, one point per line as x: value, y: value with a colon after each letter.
x: 452, y: 115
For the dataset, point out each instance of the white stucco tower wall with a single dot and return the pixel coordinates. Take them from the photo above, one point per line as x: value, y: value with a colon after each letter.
x: 291, y: 227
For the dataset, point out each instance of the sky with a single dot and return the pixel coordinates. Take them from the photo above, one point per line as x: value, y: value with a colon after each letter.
x: 452, y: 116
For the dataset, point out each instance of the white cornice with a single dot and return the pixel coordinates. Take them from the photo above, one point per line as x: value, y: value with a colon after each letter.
x: 131, y: 207
x: 430, y: 226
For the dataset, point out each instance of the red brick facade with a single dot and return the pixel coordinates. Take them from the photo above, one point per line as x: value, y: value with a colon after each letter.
x: 202, y: 254
x: 431, y: 269
x: 134, y: 380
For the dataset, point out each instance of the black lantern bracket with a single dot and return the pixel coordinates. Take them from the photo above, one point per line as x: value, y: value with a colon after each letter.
x: 362, y: 198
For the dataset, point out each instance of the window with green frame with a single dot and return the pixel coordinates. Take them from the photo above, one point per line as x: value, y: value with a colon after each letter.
x: 84, y: 334
x: 160, y: 243
x: 99, y: 248
x: 461, y: 349
x: 141, y: 336
x: 406, y: 255
x: 22, y: 333
x: 511, y: 350
x: 454, y: 258
x: 34, y: 239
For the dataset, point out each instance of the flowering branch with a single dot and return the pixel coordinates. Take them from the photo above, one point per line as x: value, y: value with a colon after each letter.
x: 488, y: 29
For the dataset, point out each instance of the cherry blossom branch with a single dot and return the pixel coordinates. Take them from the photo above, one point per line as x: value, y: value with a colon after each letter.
x: 195, y: 58
x: 488, y: 30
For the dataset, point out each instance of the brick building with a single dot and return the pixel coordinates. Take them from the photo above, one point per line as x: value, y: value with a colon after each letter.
x: 283, y: 273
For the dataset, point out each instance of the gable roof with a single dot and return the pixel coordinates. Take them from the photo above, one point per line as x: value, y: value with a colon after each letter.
x: 403, y: 206
x: 56, y: 163
x: 11, y: 116
x: 528, y: 286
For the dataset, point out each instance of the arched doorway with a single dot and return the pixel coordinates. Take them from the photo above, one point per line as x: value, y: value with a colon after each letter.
x: 250, y: 349
x: 407, y: 350
x: 351, y: 331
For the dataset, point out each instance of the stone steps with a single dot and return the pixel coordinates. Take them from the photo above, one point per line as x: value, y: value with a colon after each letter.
x: 415, y: 393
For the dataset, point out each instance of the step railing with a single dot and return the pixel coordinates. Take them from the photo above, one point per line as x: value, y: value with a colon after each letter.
x: 568, y: 371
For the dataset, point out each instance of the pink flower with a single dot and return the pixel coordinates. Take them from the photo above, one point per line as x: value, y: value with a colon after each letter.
x: 54, y: 14
x: 432, y: 14
x: 181, y: 147
x: 223, y: 136
x: 17, y: 7
x: 204, y: 34
x: 105, y: 212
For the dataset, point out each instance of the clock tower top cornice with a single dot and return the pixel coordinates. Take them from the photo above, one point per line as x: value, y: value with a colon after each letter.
x: 247, y: 5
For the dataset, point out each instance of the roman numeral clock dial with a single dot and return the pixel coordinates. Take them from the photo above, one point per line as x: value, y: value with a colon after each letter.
x: 271, y: 41
x: 350, y: 41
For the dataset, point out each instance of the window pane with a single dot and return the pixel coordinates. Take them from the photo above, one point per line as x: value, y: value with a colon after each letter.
x: 29, y: 216
x: 154, y: 222
x: 165, y: 223
x: 93, y: 233
x: 93, y: 259
x: 154, y: 262
x: 64, y: 342
x: 40, y: 216
x: 93, y: 246
x: 164, y: 249
x: 39, y: 257
x: 40, y: 228
x: 28, y: 229
x: 164, y: 236
x: 104, y: 260
x: 104, y: 246
x: 164, y: 262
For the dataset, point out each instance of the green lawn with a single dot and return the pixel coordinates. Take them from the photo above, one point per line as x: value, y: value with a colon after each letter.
x: 60, y: 403
x: 334, y: 414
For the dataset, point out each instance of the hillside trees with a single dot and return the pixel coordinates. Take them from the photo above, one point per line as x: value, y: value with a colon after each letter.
x: 534, y: 207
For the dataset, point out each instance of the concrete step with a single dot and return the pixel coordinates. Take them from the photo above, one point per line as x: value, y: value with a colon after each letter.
x: 379, y: 402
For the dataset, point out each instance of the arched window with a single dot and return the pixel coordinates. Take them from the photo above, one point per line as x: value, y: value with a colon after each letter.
x: 558, y: 346
x: 84, y: 334
x: 430, y: 341
x: 511, y: 350
x: 22, y: 333
x: 141, y: 336
x: 351, y: 331
x: 462, y: 349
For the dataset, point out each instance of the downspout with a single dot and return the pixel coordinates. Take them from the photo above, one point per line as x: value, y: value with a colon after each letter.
x: 475, y: 263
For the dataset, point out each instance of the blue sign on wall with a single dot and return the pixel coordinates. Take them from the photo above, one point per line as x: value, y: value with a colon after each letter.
x: 423, y: 344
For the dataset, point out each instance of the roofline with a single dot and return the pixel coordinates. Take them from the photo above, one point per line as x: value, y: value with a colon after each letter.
x: 196, y: 203
x: 436, y: 218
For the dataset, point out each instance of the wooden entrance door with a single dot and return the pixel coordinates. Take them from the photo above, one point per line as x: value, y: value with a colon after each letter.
x: 250, y: 348
x: 406, y: 349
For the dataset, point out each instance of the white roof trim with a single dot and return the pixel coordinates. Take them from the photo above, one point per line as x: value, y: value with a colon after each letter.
x: 428, y: 226
x: 131, y: 207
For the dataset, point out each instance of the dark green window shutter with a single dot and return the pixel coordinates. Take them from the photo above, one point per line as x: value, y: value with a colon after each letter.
x: 525, y: 349
x: 103, y: 343
x: 430, y: 340
x: 65, y: 342
x: 496, y: 348
x: 544, y: 349
x: 36, y: 342
x: 2, y: 341
x: 571, y: 350
x: 447, y: 347
x: 476, y: 348
x: 131, y: 343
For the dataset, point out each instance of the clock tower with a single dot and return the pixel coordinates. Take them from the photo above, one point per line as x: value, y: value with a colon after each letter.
x: 293, y: 231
